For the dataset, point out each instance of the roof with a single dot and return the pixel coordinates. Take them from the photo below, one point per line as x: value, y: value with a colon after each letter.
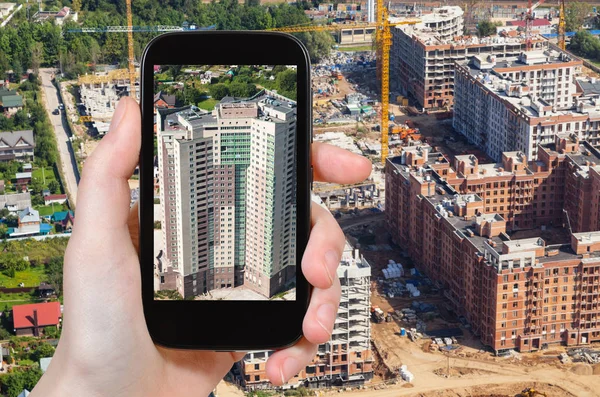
x: 55, y: 197
x: 29, y: 215
x: 23, y: 175
x: 536, y: 22
x: 45, y: 228
x: 21, y: 200
x: 589, y: 87
x: 61, y: 216
x: 63, y: 12
x: 11, y: 138
x: 47, y: 314
x: 11, y: 101
x: 24, y: 393
x: 45, y: 363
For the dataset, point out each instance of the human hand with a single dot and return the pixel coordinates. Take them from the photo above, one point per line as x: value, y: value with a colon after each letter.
x: 105, y: 348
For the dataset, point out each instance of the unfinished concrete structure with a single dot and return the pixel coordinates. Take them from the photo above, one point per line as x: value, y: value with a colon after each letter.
x: 423, y: 56
x: 346, y: 359
x: 517, y: 294
x: 520, y: 102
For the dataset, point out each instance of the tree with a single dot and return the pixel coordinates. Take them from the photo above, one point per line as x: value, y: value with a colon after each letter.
x: 54, y: 187
x: 218, y: 91
x: 54, y: 272
x: 487, y: 28
x: 14, y: 383
x: 585, y: 44
x: 76, y: 5
x: 575, y: 15
x: 43, y: 350
x: 242, y: 90
x: 3, y: 230
x: 318, y: 44
x: 37, y: 56
x: 286, y: 83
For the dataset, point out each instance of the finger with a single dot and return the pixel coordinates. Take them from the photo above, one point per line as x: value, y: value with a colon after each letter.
x: 324, y: 249
x: 335, y: 165
x: 285, y: 364
x: 321, y: 314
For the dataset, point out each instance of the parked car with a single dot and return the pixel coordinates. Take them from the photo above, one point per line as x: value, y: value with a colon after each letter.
x: 56, y: 111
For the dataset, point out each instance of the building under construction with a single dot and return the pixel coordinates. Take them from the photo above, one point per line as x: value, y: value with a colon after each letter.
x: 454, y: 221
x: 423, y: 57
x: 346, y: 360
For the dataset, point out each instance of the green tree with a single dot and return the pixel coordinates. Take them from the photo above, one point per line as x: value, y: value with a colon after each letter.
x: 487, y: 28
x: 585, y: 44
x: 242, y: 90
x: 54, y: 272
x: 37, y: 56
x: 575, y: 15
x: 318, y: 44
x: 43, y: 350
x: 76, y: 5
x: 14, y: 383
x: 286, y: 83
x: 3, y: 230
x: 218, y: 91
x: 54, y: 187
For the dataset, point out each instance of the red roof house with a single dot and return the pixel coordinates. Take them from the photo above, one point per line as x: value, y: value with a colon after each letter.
x: 55, y: 198
x: 31, y: 319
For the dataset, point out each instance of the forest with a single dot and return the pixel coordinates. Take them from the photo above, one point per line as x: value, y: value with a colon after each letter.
x: 25, y: 44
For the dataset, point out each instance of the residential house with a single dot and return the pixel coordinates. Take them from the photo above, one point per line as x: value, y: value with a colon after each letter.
x: 55, y: 199
x: 29, y: 224
x: 32, y: 319
x: 22, y: 179
x: 163, y: 101
x: 15, y: 202
x: 59, y: 17
x: 45, y: 290
x: 10, y: 102
x: 27, y: 167
x: 63, y: 220
x: 6, y: 9
x: 16, y: 145
x: 539, y: 25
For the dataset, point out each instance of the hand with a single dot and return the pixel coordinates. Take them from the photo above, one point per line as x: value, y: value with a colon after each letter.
x: 105, y: 348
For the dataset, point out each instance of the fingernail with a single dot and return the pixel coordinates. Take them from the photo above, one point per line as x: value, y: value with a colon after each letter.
x: 325, y: 314
x: 288, y: 369
x: 332, y: 260
x: 119, y: 113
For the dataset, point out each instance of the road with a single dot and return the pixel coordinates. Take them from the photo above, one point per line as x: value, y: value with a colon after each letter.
x: 347, y: 223
x: 60, y: 128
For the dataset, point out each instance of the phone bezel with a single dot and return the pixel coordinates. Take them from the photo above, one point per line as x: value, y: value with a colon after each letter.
x: 225, y: 325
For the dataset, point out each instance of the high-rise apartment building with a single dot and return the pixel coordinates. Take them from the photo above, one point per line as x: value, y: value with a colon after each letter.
x: 227, y: 188
x: 346, y: 359
x: 518, y: 103
x: 516, y: 294
x: 423, y: 55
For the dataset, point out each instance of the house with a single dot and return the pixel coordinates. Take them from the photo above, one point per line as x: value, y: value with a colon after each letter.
x: 45, y: 290
x: 16, y: 145
x: 46, y: 192
x: 15, y: 202
x: 29, y: 224
x: 27, y: 167
x: 55, y: 199
x: 59, y: 17
x: 64, y: 219
x: 22, y: 179
x: 163, y: 101
x: 6, y: 9
x: 541, y: 25
x: 32, y: 319
x: 10, y: 102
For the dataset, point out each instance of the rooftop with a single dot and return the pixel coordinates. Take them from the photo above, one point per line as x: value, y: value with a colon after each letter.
x: 47, y: 314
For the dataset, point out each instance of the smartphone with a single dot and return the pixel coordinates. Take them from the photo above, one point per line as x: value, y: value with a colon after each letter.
x: 225, y: 182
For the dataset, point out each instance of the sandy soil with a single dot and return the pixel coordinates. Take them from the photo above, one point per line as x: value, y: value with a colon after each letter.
x: 226, y: 389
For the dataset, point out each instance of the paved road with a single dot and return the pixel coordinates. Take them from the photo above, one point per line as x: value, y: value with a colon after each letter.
x: 60, y: 127
x: 361, y: 220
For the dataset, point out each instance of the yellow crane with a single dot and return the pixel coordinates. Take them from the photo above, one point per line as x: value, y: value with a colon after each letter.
x: 130, y: 49
x: 383, y: 39
x: 561, y: 26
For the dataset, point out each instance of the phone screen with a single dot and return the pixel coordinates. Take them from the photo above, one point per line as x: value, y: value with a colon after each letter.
x: 225, y: 182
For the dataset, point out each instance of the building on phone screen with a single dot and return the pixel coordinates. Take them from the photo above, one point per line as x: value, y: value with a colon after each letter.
x: 227, y: 189
x: 346, y: 359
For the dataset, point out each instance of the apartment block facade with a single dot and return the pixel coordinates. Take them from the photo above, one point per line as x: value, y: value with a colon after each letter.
x: 454, y: 221
x: 346, y: 359
x: 423, y: 56
x: 227, y: 186
x: 520, y: 102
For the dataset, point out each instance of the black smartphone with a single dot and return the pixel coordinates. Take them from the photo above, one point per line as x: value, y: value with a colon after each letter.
x: 225, y: 182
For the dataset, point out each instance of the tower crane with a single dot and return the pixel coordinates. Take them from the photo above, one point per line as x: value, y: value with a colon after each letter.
x: 384, y: 41
x: 561, y: 26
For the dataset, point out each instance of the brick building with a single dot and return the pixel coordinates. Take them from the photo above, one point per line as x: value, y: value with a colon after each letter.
x: 423, y: 56
x: 519, y: 102
x: 516, y: 294
x: 346, y: 359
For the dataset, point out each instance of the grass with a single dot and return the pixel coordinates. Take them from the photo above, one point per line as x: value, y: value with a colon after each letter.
x: 30, y: 277
x: 47, y: 209
x: 25, y: 363
x: 39, y: 174
x: 208, y: 104
x: 7, y: 301
x: 356, y: 48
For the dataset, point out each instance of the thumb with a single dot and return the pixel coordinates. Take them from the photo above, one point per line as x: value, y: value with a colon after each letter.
x: 100, y: 262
